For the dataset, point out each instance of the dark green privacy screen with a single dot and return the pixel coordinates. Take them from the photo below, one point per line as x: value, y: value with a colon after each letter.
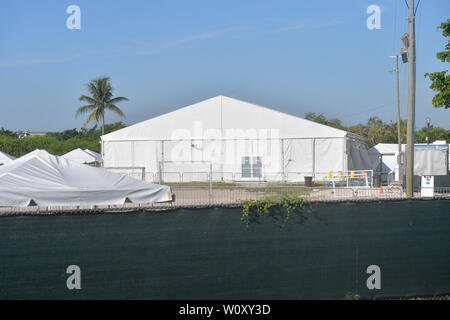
x: 210, y: 254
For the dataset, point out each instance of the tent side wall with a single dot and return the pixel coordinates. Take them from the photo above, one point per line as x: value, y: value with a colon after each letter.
x: 230, y: 160
x: 133, y: 154
x: 357, y: 155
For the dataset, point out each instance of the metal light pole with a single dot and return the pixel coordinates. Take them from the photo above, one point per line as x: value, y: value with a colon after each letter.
x: 428, y: 130
x: 411, y: 103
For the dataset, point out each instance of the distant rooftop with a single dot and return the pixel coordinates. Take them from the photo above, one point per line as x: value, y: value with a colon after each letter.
x: 32, y: 134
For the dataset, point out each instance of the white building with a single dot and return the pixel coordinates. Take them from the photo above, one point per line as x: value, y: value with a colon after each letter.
x: 236, y: 141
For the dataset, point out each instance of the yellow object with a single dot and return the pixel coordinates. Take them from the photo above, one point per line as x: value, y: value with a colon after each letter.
x: 352, y: 174
x: 329, y: 174
x: 340, y: 173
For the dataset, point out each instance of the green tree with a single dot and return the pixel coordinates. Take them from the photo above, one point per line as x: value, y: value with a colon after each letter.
x: 320, y: 118
x: 101, y: 99
x: 57, y: 143
x: 436, y: 133
x: 9, y: 133
x: 440, y: 82
x: 376, y: 131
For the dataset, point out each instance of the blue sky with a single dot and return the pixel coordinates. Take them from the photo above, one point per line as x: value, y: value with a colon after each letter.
x: 295, y: 56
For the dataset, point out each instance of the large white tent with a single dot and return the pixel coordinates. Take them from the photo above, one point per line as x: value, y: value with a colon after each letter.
x: 234, y: 140
x: 50, y: 180
x: 5, y: 158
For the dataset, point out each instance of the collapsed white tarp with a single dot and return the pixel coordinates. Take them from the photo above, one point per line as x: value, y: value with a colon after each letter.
x: 50, y: 180
x: 80, y: 156
x: 5, y: 158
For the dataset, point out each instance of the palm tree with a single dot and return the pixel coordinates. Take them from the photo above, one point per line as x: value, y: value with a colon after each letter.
x: 101, y: 99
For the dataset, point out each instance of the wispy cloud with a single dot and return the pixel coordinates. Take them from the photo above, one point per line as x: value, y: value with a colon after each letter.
x: 37, y: 58
x: 152, y: 48
x: 309, y: 24
x: 145, y: 48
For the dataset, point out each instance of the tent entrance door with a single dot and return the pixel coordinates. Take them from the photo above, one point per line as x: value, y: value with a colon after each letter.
x: 251, y: 168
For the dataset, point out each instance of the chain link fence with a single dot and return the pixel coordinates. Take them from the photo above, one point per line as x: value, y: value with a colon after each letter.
x: 234, y: 196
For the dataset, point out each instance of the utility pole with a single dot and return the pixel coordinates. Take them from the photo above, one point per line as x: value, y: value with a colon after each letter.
x: 411, y: 102
x: 399, y: 133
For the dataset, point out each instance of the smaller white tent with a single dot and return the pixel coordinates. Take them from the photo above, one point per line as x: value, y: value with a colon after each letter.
x: 383, y: 156
x: 5, y: 158
x: 80, y: 156
x: 96, y: 155
x: 50, y: 180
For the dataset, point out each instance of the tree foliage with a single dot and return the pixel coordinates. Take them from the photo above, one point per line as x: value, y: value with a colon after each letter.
x: 376, y: 131
x: 440, y: 81
x: 436, y: 133
x: 320, y: 118
x: 57, y: 143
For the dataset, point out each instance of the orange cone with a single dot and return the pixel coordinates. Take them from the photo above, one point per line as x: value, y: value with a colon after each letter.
x: 381, y: 189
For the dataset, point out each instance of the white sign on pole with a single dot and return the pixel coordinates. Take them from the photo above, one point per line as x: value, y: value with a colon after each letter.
x: 427, y: 189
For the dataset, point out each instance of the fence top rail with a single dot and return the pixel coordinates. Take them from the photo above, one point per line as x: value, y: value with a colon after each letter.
x: 123, y: 168
x: 269, y: 187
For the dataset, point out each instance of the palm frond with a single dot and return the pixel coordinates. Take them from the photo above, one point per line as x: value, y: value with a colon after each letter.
x: 84, y: 109
x: 98, y: 114
x: 117, y: 99
x: 92, y: 117
x: 115, y: 109
x: 84, y: 98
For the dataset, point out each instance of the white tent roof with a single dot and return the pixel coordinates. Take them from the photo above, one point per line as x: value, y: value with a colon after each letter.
x: 392, y: 148
x: 223, y: 113
x: 386, y: 148
x: 96, y: 155
x: 5, y: 158
x: 50, y: 180
x: 80, y: 156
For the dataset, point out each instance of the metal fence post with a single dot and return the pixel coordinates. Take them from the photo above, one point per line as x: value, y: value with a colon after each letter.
x: 210, y: 185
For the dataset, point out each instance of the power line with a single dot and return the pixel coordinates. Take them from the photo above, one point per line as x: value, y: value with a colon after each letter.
x: 417, y: 7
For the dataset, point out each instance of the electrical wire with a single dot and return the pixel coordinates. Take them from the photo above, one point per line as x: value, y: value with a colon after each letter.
x: 417, y: 7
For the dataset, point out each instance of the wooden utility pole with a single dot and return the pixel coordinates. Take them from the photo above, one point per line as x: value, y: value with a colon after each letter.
x: 399, y: 132
x: 411, y: 103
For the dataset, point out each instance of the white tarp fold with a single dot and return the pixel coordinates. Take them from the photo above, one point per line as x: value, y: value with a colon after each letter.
x: 5, y: 158
x: 50, y: 180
